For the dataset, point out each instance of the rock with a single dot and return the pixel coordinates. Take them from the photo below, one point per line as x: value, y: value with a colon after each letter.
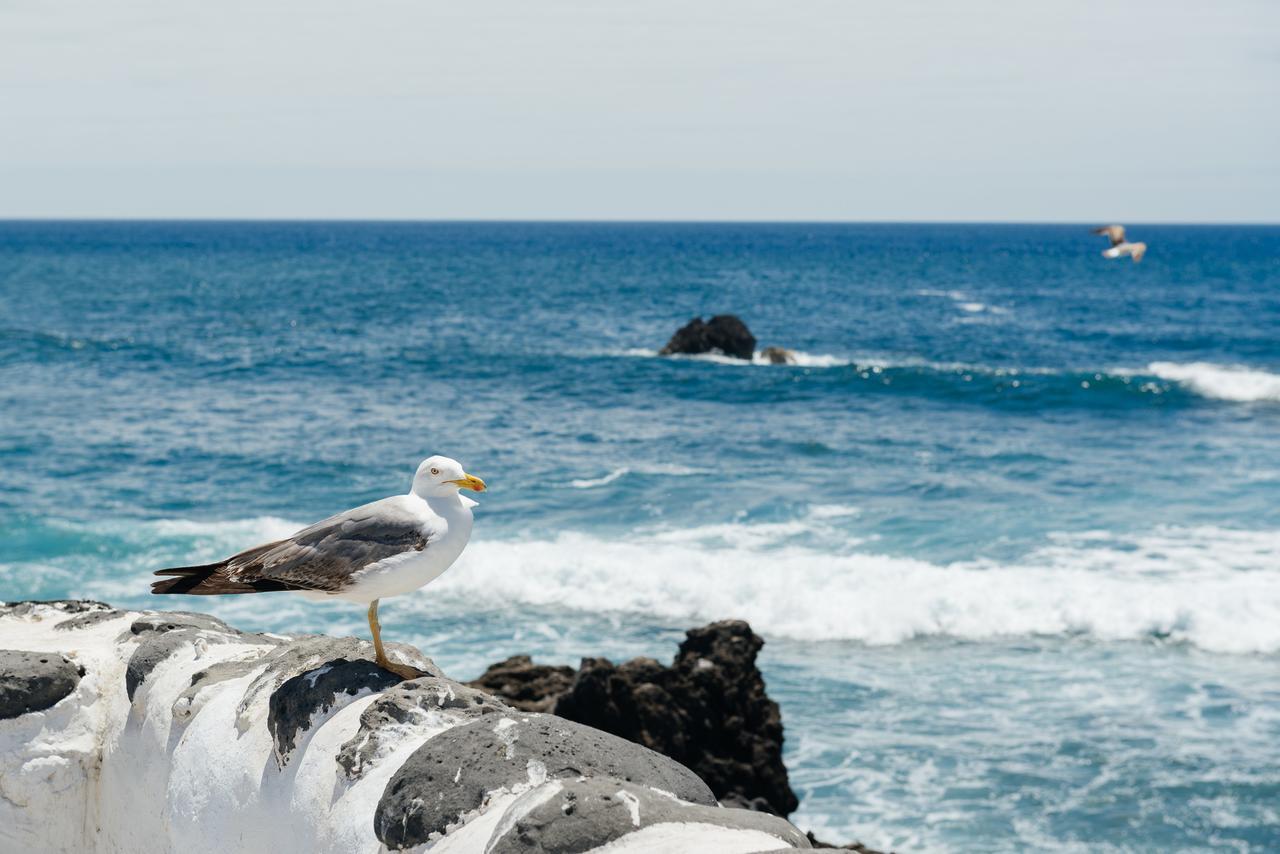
x: 414, y: 702
x: 585, y: 814
x: 309, y: 653
x: 34, y: 681
x: 89, y: 619
x: 332, y: 685
x: 464, y: 765
x: 852, y: 846
x: 525, y: 685
x: 725, y: 333
x: 271, y: 743
x: 163, y: 641
x: 708, y: 710
x: 30, y: 607
x: 778, y: 356
x: 167, y: 621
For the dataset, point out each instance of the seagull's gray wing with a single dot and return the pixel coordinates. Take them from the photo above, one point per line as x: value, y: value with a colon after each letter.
x: 321, y: 558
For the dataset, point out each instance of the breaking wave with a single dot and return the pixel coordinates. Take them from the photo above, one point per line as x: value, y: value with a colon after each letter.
x: 1221, y: 382
x: 1215, y: 588
x: 1233, y: 383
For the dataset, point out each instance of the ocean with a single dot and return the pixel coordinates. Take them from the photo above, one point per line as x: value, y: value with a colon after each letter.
x: 1010, y: 528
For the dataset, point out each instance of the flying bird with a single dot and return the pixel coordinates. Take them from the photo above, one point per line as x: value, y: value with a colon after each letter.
x: 386, y: 548
x: 1135, y: 250
x: 1119, y: 245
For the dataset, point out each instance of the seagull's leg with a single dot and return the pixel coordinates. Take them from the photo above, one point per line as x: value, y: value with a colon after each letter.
x: 404, y: 671
x: 380, y: 656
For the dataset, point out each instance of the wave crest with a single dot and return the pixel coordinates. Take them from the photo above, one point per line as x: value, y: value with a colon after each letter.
x: 1214, y: 588
x: 1222, y: 382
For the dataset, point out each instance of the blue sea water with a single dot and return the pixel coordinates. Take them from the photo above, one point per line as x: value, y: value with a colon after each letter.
x: 1011, y: 528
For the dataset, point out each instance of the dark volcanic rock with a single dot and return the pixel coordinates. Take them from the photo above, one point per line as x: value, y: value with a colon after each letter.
x: 724, y: 332
x: 34, y: 681
x: 406, y: 703
x: 586, y: 814
x: 303, y: 655
x: 852, y: 846
x: 461, y: 766
x: 525, y: 685
x: 708, y: 711
x: 334, y: 683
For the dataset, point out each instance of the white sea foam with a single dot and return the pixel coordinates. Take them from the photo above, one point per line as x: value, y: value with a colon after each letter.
x: 802, y: 359
x: 1216, y: 588
x: 1223, y: 382
x: 660, y: 469
x: 591, y: 482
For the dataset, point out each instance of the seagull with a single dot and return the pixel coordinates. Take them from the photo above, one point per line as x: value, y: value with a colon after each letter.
x: 1119, y: 246
x: 386, y: 548
x: 1136, y: 250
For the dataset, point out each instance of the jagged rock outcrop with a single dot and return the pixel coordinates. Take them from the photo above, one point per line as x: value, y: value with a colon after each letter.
x: 724, y: 333
x: 708, y: 710
x: 152, y: 731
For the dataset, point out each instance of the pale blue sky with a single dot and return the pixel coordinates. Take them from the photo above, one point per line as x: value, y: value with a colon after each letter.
x: 988, y: 110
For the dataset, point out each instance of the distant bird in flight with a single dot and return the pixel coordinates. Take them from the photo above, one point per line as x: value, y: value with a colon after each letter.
x: 386, y: 548
x: 1119, y: 246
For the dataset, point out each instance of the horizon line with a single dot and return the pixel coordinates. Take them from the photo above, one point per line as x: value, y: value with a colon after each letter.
x: 615, y: 221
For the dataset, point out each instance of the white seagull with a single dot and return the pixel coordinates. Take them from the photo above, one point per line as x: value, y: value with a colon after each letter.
x: 386, y: 548
x: 1119, y: 246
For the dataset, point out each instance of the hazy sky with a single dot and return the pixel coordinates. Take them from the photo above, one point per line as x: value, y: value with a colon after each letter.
x: 721, y: 109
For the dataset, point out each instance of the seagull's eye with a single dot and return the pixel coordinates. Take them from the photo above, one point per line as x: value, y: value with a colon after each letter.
x: 435, y: 471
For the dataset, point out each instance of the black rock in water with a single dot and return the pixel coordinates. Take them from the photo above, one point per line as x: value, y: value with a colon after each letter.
x: 525, y: 685
x: 725, y: 333
x: 708, y: 710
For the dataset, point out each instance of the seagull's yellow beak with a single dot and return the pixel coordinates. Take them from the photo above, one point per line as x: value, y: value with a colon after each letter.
x: 468, y: 481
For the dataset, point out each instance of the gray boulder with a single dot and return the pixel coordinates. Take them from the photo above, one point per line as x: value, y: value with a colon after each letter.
x: 408, y: 702
x: 463, y: 765
x: 586, y: 814
x: 34, y: 681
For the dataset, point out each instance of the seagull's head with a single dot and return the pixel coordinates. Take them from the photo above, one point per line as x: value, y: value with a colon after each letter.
x: 440, y: 476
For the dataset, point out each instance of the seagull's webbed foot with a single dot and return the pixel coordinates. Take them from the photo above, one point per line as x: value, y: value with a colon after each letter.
x: 404, y: 671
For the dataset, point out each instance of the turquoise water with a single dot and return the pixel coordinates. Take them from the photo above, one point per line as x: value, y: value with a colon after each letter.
x: 1011, y: 529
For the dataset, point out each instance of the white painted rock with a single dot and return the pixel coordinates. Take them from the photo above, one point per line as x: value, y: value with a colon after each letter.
x: 126, y: 731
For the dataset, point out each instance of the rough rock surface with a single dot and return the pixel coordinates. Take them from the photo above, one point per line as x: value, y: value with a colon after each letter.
x: 724, y: 333
x: 234, y: 741
x: 464, y: 764
x: 293, y: 705
x: 708, y: 710
x: 584, y: 814
x: 525, y: 685
x: 427, y: 702
x: 34, y: 681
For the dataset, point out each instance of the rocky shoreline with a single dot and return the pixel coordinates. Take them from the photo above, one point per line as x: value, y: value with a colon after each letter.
x: 708, y: 710
x: 173, y: 731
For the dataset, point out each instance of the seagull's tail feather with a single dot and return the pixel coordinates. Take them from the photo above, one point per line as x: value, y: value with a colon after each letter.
x: 210, y: 580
